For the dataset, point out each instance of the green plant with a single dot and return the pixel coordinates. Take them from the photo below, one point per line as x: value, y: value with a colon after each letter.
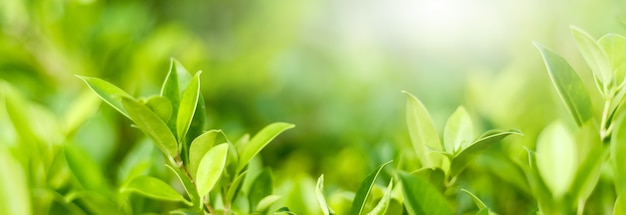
x: 210, y: 167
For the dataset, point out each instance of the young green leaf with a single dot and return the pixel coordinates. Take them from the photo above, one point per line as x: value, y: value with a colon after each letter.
x: 458, y: 132
x: 259, y: 141
x: 14, y: 192
x: 595, y: 58
x: 187, y: 107
x: 423, y: 135
x: 383, y: 204
x: 199, y: 147
x: 614, y: 46
x: 476, y: 200
x: 154, y: 188
x: 152, y: 125
x: 161, y: 106
x: 363, y: 192
x: 267, y: 202
x: 556, y: 158
x: 188, y: 185
x: 173, y: 87
x: 618, y: 155
x: 420, y: 197
x: 261, y: 186
x: 319, y: 193
x: 235, y: 187
x: 110, y: 93
x: 210, y: 168
x: 568, y: 85
x: 461, y: 160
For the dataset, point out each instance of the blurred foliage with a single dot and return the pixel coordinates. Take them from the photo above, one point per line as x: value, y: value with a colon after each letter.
x: 333, y: 68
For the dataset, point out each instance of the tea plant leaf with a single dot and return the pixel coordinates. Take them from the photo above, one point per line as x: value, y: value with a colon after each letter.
x: 618, y: 155
x: 236, y: 186
x: 568, y: 85
x: 161, y: 106
x: 259, y: 141
x: 540, y: 190
x: 85, y: 169
x: 363, y: 192
x: 14, y: 192
x: 423, y: 135
x: 199, y: 147
x: 481, y: 206
x: 614, y: 46
x: 110, y: 93
x: 267, y: 202
x: 152, y: 125
x: 420, y: 197
x: 319, y: 193
x: 589, y: 168
x: 210, y: 168
x: 458, y: 132
x: 187, y: 108
x: 187, y: 184
x: 154, y: 188
x: 595, y: 58
x: 461, y: 160
x: 556, y: 158
x: 83, y: 107
x: 173, y: 87
x: 383, y: 204
x: 261, y: 187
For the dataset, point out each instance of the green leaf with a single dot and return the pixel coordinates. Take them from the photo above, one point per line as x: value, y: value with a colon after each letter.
x: 235, y: 187
x: 161, y: 106
x: 187, y: 107
x: 568, y: 85
x: 14, y: 190
x: 556, y: 158
x: 83, y: 107
x: 614, y: 46
x: 267, y: 202
x: 458, y: 132
x: 540, y: 190
x: 618, y: 155
x: 173, y: 87
x: 261, y: 186
x: 595, y: 58
x: 199, y: 147
x: 476, y: 200
x: 423, y: 135
x: 210, y: 168
x: 461, y: 160
x: 420, y: 197
x: 319, y: 193
x: 110, y: 93
x: 591, y: 157
x: 383, y: 204
x: 363, y: 192
x: 259, y: 141
x: 154, y: 188
x: 188, y: 185
x: 85, y: 169
x: 620, y: 205
x: 152, y: 125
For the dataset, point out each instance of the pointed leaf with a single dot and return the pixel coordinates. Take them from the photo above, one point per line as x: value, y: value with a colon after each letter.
x: 458, y: 132
x: 154, y: 188
x: 173, y: 87
x: 461, y: 160
x: 319, y: 193
x: 267, y: 202
x: 383, y: 204
x: 152, y: 125
x: 423, y: 135
x: 210, y: 168
x: 614, y: 46
x: 199, y: 147
x: 110, y: 93
x: 161, y: 106
x: 363, y: 192
x: 191, y: 190
x: 420, y: 197
x: 259, y: 141
x: 594, y: 56
x: 568, y: 85
x: 556, y: 158
x: 477, y: 200
x: 187, y: 107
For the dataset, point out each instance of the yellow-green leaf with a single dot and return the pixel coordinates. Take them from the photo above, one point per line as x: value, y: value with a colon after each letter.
x: 248, y: 150
x: 210, y: 168
x: 187, y: 106
x: 152, y: 125
x: 154, y: 188
x: 423, y: 135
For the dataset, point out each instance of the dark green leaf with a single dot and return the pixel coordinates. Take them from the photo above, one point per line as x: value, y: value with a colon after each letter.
x: 152, y: 125
x: 486, y: 140
x: 259, y: 141
x: 423, y: 135
x: 568, y: 85
x: 363, y: 192
x: 420, y: 197
x: 110, y: 93
x: 154, y: 188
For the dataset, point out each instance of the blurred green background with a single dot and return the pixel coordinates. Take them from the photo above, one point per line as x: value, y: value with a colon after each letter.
x: 335, y: 68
